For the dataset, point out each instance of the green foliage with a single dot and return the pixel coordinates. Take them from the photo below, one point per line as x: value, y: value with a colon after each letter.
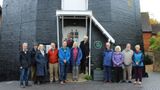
x: 155, y: 43
x: 87, y: 77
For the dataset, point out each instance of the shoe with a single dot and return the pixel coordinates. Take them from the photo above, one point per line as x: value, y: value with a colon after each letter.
x: 61, y: 82
x: 123, y: 81
x: 22, y: 86
x: 139, y: 83
x: 77, y: 80
x: 38, y: 82
x: 65, y: 81
x: 135, y: 82
x: 51, y: 82
x: 129, y: 81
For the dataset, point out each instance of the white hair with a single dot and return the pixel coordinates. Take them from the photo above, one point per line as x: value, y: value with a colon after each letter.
x: 85, y: 37
x: 25, y: 44
x: 118, y: 48
x: 137, y: 46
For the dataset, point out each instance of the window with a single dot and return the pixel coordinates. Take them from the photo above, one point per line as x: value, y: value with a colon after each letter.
x: 74, y: 4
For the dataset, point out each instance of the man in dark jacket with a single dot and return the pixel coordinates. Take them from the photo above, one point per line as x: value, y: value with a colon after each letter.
x: 85, y: 53
x: 25, y: 63
x: 33, y: 63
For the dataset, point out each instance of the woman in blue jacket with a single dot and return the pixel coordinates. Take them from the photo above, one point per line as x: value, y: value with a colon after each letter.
x: 107, y: 62
x: 64, y: 56
x: 138, y: 64
x: 76, y: 56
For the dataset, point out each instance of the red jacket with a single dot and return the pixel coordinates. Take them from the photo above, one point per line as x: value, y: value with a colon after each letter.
x: 53, y: 56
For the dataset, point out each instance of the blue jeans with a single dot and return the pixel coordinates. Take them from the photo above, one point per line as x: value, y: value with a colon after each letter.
x: 63, y: 71
x: 107, y: 73
x: 24, y: 75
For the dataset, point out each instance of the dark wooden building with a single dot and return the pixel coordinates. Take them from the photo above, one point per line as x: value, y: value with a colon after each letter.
x: 44, y: 21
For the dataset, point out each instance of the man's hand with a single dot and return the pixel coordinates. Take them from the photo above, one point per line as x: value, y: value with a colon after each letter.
x: 21, y: 67
x: 88, y: 57
x: 136, y: 63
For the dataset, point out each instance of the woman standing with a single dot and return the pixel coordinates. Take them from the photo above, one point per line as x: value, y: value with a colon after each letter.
x: 138, y: 64
x: 41, y: 63
x: 76, y: 56
x: 117, y: 59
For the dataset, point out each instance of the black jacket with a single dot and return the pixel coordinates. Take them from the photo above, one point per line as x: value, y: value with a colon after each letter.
x: 85, y: 49
x: 25, y: 59
x: 33, y: 54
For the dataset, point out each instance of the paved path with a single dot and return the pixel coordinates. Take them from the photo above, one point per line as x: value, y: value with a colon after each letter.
x: 151, y: 83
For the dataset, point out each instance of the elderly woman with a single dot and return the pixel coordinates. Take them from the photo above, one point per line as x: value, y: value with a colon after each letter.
x: 76, y: 56
x: 117, y: 60
x: 41, y: 63
x: 138, y: 64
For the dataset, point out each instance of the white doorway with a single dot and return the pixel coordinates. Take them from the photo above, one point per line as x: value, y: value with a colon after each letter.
x: 77, y: 33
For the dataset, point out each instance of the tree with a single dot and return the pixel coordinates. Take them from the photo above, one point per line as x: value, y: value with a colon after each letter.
x: 153, y: 21
x: 155, y: 43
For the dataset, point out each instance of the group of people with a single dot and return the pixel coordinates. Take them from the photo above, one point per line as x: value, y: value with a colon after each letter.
x: 71, y: 58
x: 123, y: 61
x: 56, y: 62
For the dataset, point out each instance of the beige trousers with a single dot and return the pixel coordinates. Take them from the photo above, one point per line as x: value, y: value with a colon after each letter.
x: 127, y: 72
x: 53, y: 71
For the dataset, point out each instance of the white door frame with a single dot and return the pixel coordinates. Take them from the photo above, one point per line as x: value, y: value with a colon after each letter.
x: 90, y: 33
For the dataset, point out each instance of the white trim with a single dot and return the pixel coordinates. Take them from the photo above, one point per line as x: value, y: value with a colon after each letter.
x: 58, y: 31
x: 90, y: 40
x: 104, y: 31
x: 86, y: 13
x: 73, y: 13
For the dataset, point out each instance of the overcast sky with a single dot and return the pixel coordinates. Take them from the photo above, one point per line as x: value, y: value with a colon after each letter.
x: 151, y: 6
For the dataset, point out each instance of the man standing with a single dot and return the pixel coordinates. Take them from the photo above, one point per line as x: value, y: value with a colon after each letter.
x: 85, y: 53
x: 53, y: 62
x: 107, y: 62
x: 33, y: 63
x: 25, y: 63
x: 64, y: 56
x: 69, y: 41
x: 127, y: 69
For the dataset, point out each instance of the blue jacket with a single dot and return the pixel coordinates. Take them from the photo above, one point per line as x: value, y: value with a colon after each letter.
x: 78, y: 59
x: 138, y: 57
x: 41, y: 64
x: 64, y: 54
x: 107, y: 57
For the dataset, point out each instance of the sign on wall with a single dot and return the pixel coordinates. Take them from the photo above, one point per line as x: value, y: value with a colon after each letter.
x: 97, y: 44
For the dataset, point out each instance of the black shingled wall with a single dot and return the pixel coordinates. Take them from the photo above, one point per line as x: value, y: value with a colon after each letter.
x: 35, y: 21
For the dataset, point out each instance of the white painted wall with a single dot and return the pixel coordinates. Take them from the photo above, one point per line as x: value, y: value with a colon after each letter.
x: 74, y: 4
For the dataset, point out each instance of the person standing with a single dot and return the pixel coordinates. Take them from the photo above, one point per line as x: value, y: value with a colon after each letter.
x: 69, y: 40
x: 69, y: 45
x: 117, y: 60
x: 107, y: 62
x: 84, y: 45
x: 127, y: 70
x: 138, y: 64
x: 25, y: 63
x: 64, y: 56
x: 33, y: 63
x: 53, y: 63
x: 76, y: 56
x: 41, y: 64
